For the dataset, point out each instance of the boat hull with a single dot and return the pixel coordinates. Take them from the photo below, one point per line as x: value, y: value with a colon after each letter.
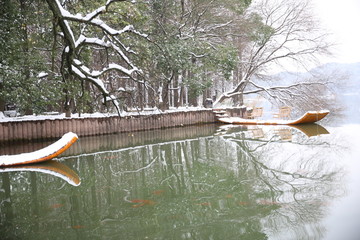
x: 41, y: 155
x: 308, y: 117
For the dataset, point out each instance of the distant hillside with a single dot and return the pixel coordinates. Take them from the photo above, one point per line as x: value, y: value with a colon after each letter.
x: 347, y: 89
x: 350, y: 70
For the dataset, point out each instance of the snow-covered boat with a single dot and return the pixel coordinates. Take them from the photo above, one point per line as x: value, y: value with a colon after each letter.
x: 41, y: 155
x: 308, y: 117
x: 51, y: 167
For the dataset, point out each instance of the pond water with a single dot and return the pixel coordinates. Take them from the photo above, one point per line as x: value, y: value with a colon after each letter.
x: 203, y: 182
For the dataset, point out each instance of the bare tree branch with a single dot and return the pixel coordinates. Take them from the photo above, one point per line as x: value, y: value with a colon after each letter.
x: 280, y: 32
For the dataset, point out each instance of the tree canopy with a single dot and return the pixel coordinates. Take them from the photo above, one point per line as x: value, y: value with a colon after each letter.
x: 73, y: 56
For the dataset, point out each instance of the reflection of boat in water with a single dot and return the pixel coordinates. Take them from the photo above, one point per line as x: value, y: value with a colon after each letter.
x: 308, y: 117
x: 54, y: 168
x: 310, y: 129
x: 41, y: 155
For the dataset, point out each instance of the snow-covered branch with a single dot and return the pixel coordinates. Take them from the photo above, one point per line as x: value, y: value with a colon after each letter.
x: 109, y: 41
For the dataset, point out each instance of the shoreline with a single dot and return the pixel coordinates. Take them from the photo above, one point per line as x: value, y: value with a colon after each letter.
x: 35, y: 128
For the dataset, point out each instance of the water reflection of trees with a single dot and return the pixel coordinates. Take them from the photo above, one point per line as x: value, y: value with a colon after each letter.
x: 300, y: 175
x: 222, y: 187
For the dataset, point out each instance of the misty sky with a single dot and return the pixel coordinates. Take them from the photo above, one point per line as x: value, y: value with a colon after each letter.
x: 342, y: 18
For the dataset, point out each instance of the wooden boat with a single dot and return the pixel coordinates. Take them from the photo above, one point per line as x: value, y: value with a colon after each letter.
x: 308, y: 117
x: 51, y: 167
x: 41, y: 155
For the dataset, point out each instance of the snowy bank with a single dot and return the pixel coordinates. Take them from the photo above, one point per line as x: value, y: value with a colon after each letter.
x: 134, y: 112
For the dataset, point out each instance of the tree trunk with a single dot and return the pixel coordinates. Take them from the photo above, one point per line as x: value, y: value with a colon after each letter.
x: 192, y: 92
x: 67, y: 108
x: 176, y: 91
x: 25, y: 49
x: 140, y: 96
x: 164, y: 104
x: 193, y: 99
x: 205, y: 97
x: 181, y: 97
x: 2, y: 100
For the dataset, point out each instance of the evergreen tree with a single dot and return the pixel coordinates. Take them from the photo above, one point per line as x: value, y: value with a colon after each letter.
x: 24, y: 70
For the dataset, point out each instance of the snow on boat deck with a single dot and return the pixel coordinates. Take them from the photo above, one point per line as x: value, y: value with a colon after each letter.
x: 43, y: 154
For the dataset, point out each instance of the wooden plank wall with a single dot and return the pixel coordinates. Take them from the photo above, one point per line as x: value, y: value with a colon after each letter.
x: 55, y: 128
x: 91, y: 144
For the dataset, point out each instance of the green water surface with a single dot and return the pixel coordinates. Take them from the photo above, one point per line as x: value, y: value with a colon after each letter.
x: 203, y: 182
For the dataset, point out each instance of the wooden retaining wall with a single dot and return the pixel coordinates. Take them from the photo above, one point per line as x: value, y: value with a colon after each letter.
x: 91, y: 144
x: 55, y: 128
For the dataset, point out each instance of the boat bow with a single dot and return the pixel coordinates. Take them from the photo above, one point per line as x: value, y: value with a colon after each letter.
x: 41, y: 155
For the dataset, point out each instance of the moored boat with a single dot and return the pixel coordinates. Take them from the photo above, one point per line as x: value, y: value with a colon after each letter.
x: 41, y: 155
x: 308, y: 117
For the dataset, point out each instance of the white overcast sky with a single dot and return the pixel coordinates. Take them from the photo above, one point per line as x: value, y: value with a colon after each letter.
x: 342, y: 18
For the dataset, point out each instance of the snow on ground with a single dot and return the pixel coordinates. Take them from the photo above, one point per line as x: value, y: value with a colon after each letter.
x: 54, y: 116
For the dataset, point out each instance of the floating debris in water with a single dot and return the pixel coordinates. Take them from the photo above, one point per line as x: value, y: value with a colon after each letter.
x: 111, y: 157
x: 158, y: 192
x: 142, y: 202
x: 204, y: 204
x: 58, y: 205
x: 77, y: 227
